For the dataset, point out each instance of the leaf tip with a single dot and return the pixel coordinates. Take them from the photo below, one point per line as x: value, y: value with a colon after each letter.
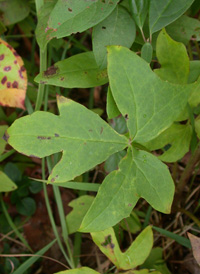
x: 62, y: 99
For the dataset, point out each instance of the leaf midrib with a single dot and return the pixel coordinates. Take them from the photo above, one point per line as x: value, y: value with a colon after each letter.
x: 66, y: 137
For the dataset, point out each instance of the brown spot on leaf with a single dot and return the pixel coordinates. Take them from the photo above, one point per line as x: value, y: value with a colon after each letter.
x: 69, y: 9
x: 62, y: 78
x: 82, y: 204
x: 20, y: 74
x: 53, y: 180
x: 43, y: 138
x: 101, y: 130
x: 8, y: 84
x: 4, y: 79
x: 7, y: 68
x: 6, y: 136
x: 90, y: 130
x: 33, y: 156
x: 23, y: 68
x: 15, y: 53
x: 129, y: 204
x: 8, y: 46
x: 50, y: 71
x: 108, y: 242
x: 15, y: 84
x: 2, y: 57
x: 103, y: 27
x: 57, y: 135
x: 126, y: 116
x: 15, y: 62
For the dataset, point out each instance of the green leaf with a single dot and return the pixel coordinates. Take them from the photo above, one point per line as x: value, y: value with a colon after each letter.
x: 113, y: 161
x: 134, y: 256
x: 173, y: 58
x: 147, y: 52
x: 24, y: 266
x: 139, y: 175
x: 139, y: 9
x: 6, y: 184
x: 178, y: 137
x: 197, y: 126
x: 14, y: 11
x: 184, y: 28
x: 26, y: 206
x: 84, y: 144
x: 64, y: 18
x: 82, y: 270
x: 117, y: 29
x: 143, y: 271
x: 80, y: 207
x: 111, y: 107
x: 164, y: 12
x: 2, y: 141
x: 131, y: 74
x: 78, y: 71
x: 155, y: 261
x: 131, y: 224
x: 194, y: 71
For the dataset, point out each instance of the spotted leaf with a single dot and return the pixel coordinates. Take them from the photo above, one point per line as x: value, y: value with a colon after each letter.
x: 13, y: 77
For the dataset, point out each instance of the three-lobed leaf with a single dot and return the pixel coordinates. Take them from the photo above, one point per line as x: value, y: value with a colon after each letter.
x: 83, y: 137
x: 133, y: 84
x: 140, y: 174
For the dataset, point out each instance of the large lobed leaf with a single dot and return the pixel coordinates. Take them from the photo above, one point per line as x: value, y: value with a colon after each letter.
x: 83, y: 137
x: 63, y: 18
x: 149, y: 104
x: 140, y: 174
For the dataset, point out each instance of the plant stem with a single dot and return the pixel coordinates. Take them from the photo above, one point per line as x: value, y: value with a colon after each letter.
x: 51, y: 216
x: 61, y: 214
x: 195, y: 158
x: 12, y: 225
x: 6, y: 155
x: 41, y: 87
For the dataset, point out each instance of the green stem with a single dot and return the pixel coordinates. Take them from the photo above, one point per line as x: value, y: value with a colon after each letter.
x: 12, y: 225
x: 41, y: 87
x: 6, y: 155
x: 52, y: 218
x: 61, y: 214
